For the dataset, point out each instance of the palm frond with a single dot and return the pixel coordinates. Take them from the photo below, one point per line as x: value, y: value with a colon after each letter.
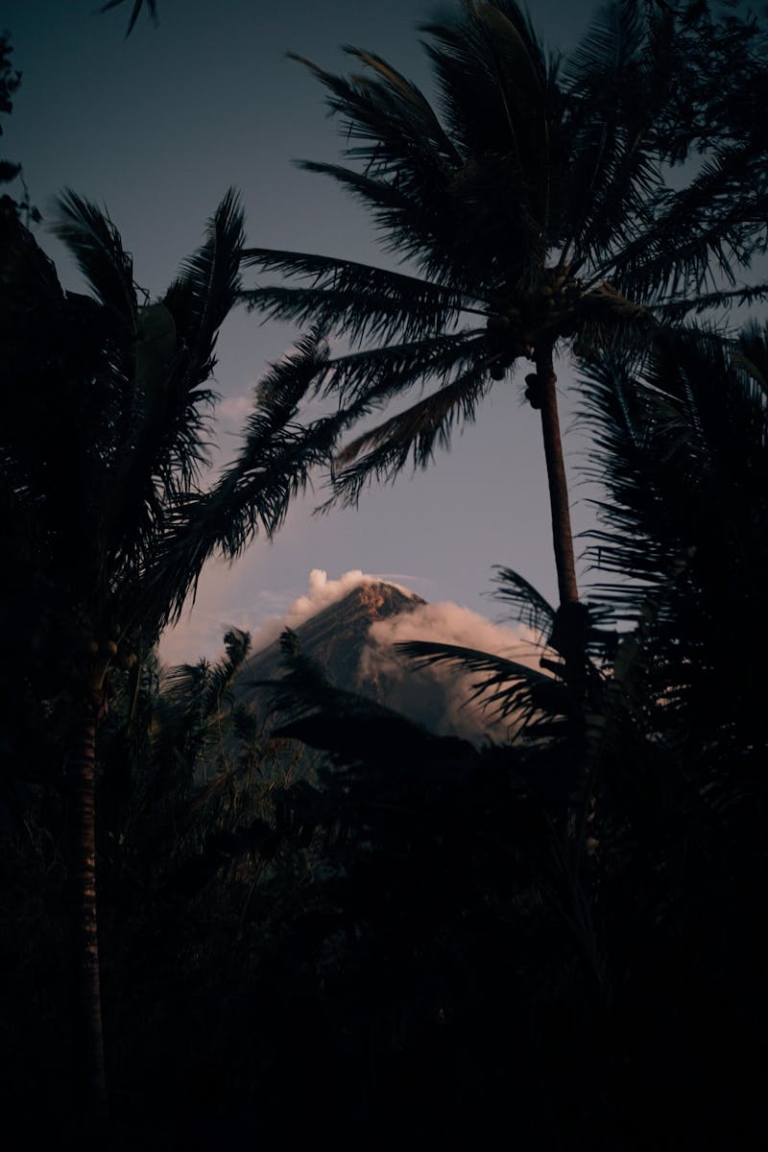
x: 624, y: 434
x: 135, y: 13
x: 352, y: 298
x: 414, y: 109
x: 208, y: 286
x: 96, y: 244
x: 287, y: 382
x: 676, y: 310
x: 164, y: 429
x: 439, y: 232
x: 681, y: 452
x: 388, y: 116
x: 198, y: 301
x: 352, y: 728
x: 407, y: 159
x: 707, y: 229
x: 370, y: 377
x: 434, y: 200
x: 492, y: 51
x: 507, y: 687
x: 384, y: 451
x: 205, y: 686
x: 620, y: 81
x: 527, y: 604
x: 254, y: 492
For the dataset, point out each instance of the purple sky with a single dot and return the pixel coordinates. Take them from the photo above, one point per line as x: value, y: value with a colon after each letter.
x: 156, y: 128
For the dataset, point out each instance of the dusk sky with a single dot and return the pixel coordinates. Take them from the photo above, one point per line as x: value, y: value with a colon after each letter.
x: 155, y: 129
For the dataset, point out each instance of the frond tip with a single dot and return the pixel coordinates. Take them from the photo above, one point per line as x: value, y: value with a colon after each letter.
x: 505, y: 687
x: 97, y: 246
x: 136, y: 12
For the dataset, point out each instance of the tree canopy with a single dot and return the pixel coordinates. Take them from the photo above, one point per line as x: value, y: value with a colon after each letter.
x: 556, y: 937
x: 535, y: 204
x: 107, y: 523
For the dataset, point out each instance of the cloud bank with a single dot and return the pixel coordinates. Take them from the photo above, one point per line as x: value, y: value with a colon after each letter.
x: 201, y: 630
x: 321, y: 594
x: 442, y: 696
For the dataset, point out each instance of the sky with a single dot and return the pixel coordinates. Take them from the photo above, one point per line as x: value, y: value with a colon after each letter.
x: 155, y: 129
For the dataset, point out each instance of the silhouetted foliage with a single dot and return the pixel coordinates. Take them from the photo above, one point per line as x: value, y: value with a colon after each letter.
x: 556, y: 939
x: 657, y: 757
x: 10, y: 79
x: 536, y: 205
x: 106, y: 523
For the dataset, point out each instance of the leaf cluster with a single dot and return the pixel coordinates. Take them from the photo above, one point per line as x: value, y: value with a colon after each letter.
x: 535, y: 204
x: 106, y: 438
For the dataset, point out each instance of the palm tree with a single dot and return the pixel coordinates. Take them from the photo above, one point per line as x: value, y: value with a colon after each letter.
x: 682, y: 450
x: 681, y: 453
x: 191, y: 776
x: 107, y: 522
x: 670, y: 734
x: 534, y: 204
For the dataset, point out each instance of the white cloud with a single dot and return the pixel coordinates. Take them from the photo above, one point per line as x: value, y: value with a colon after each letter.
x: 442, y: 695
x: 201, y: 629
x: 321, y: 594
x: 224, y: 599
x: 235, y: 408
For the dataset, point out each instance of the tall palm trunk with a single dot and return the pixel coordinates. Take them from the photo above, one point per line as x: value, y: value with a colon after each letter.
x: 90, y: 1072
x: 579, y: 872
x: 562, y: 533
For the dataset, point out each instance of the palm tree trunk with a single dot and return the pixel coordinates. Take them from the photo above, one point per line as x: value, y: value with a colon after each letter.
x: 571, y: 644
x: 562, y: 533
x: 90, y: 1069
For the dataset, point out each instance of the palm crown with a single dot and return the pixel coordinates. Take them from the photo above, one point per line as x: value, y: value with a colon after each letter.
x: 106, y: 523
x: 108, y: 428
x: 533, y: 205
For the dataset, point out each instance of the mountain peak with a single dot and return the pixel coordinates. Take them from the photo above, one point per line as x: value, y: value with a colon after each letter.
x: 336, y: 635
x: 337, y: 639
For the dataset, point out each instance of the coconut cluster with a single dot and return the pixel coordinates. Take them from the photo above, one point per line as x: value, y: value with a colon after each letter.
x: 515, y: 326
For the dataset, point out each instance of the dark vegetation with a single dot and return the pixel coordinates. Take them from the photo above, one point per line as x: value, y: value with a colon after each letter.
x: 555, y: 942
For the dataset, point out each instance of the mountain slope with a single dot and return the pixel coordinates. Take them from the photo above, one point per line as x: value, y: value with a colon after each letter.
x: 336, y: 636
x: 338, y: 639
